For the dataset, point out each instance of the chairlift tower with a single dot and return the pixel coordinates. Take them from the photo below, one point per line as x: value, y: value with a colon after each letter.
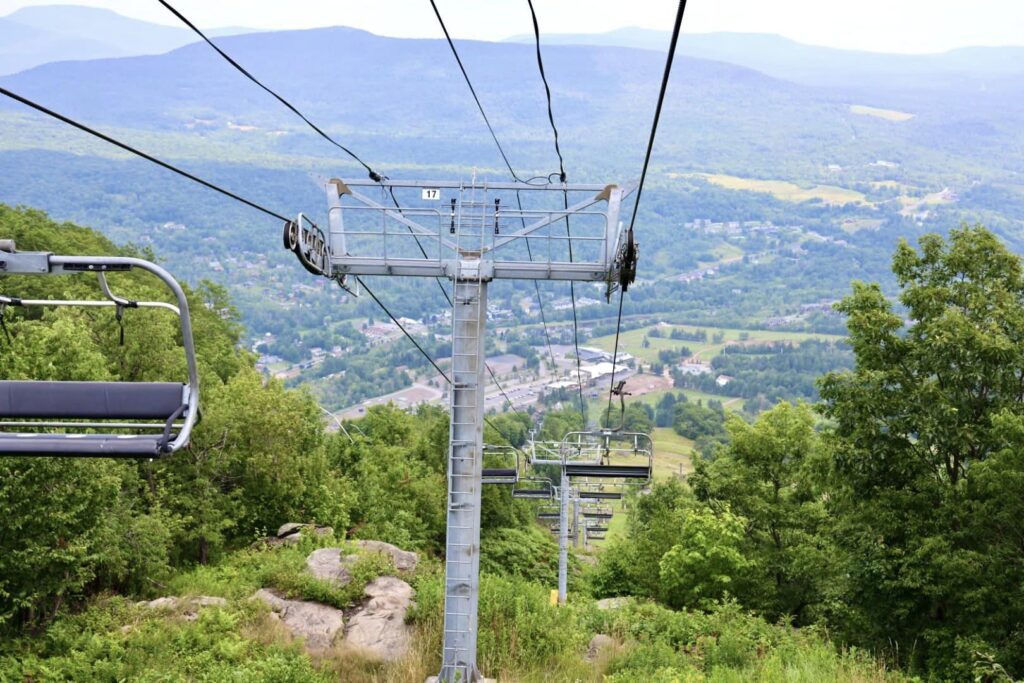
x: 470, y: 234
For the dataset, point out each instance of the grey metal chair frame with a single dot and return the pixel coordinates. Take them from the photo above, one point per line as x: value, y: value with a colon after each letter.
x: 114, y: 407
x: 501, y: 475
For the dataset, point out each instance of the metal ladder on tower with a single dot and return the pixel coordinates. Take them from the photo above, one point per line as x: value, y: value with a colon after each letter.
x: 465, y: 466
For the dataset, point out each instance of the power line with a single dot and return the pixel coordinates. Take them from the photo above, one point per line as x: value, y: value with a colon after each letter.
x: 547, y: 90
x: 376, y: 177
x: 373, y: 174
x: 404, y: 331
x: 472, y: 90
x: 501, y: 150
x: 643, y: 175
x: 565, y: 201
x: 227, y: 193
x: 205, y: 183
x: 148, y: 157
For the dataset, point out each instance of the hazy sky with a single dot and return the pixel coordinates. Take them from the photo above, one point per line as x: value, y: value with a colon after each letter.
x: 878, y: 25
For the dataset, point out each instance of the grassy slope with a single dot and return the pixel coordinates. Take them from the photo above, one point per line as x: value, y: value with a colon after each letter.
x: 522, y: 637
x: 672, y: 452
x: 632, y: 341
x: 885, y: 114
x: 787, y: 191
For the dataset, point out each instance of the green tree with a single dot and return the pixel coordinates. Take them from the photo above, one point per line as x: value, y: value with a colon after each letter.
x: 695, y: 420
x: 769, y: 473
x: 926, y: 448
x: 706, y: 562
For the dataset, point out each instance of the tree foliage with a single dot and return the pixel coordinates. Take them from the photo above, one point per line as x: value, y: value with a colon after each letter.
x: 927, y: 442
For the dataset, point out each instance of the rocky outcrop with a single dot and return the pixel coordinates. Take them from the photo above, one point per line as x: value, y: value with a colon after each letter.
x: 612, y: 603
x: 332, y: 565
x: 316, y: 624
x: 328, y: 564
x: 405, y: 560
x: 189, y: 606
x: 379, y: 629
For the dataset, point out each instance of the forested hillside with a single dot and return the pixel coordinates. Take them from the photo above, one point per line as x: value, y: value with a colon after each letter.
x: 885, y: 517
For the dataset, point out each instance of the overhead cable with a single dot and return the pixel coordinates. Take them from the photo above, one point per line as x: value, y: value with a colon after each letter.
x: 472, y: 90
x: 148, y: 157
x: 373, y: 174
x: 647, y: 161
x: 565, y: 201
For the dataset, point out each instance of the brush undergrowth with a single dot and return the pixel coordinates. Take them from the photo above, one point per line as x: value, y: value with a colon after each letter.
x: 522, y: 637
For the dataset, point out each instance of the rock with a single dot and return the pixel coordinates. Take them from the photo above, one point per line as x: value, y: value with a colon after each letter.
x: 328, y: 564
x: 291, y: 534
x: 379, y: 629
x: 598, y: 643
x: 169, y: 602
x: 433, y: 679
x: 316, y: 624
x: 405, y: 561
x: 289, y: 529
x: 208, y: 601
x: 191, y: 605
x: 612, y: 603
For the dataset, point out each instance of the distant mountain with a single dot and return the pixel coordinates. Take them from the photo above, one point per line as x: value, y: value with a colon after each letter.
x: 37, y: 35
x: 819, y: 66
x: 408, y: 100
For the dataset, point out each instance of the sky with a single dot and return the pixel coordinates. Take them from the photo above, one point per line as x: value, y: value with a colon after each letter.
x: 905, y: 26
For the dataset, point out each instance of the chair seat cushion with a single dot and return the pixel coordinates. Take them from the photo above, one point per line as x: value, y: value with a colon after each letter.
x: 90, y: 400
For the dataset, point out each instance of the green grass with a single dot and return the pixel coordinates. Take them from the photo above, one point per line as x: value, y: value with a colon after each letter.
x: 522, y: 638
x: 632, y: 341
x: 886, y: 114
x: 787, y: 191
x: 671, y: 451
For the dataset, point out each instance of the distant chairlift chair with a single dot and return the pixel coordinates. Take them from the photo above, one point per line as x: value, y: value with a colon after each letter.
x: 534, y: 488
x: 598, y: 513
x: 598, y: 454
x: 94, y: 415
x: 506, y: 465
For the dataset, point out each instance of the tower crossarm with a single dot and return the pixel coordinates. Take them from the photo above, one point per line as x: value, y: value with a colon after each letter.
x: 516, y: 231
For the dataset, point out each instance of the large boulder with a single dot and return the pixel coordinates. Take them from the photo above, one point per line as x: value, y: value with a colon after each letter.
x: 328, y: 564
x: 405, y: 560
x: 613, y: 603
x: 189, y: 607
x: 316, y: 624
x: 289, y: 529
x: 379, y: 629
x: 598, y: 644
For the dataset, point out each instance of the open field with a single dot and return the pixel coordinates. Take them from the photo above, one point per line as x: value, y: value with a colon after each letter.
x: 886, y: 114
x: 785, y: 190
x: 671, y: 453
x: 853, y: 225
x: 632, y: 341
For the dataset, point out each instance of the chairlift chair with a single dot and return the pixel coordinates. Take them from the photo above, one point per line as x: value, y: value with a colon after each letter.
x: 534, y: 488
x: 549, y: 513
x: 502, y: 474
x: 598, y: 513
x: 600, y: 496
x: 95, y: 415
x: 598, y: 454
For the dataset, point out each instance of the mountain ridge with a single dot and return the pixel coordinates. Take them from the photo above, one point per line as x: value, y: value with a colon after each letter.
x: 817, y: 65
x: 42, y: 34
